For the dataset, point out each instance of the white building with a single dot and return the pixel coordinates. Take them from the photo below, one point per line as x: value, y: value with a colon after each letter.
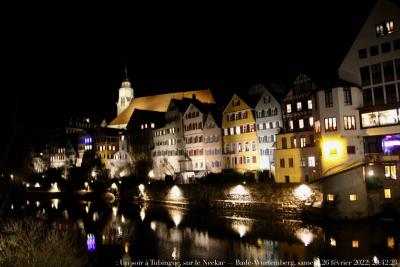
x: 268, y: 121
x: 213, y: 142
x: 169, y: 143
x: 194, y: 164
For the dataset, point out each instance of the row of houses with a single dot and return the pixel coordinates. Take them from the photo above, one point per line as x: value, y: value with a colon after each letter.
x: 300, y: 134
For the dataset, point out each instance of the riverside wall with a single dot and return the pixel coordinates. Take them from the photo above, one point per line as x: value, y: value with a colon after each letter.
x: 250, y: 196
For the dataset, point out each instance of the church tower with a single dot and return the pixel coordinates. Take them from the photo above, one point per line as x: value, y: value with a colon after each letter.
x: 125, y: 94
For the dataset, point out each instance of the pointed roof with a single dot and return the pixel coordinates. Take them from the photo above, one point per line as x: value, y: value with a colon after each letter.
x: 126, y: 78
x: 158, y: 103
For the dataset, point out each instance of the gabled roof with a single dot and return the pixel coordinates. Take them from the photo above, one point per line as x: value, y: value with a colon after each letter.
x: 139, y: 116
x: 159, y: 103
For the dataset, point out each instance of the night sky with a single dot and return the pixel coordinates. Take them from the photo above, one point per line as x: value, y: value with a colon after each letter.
x: 70, y: 62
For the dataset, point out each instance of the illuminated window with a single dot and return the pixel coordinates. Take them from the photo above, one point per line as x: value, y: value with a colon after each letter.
x: 330, y: 124
x: 232, y: 131
x: 301, y: 123
x: 330, y: 197
x: 291, y: 125
x: 237, y: 129
x: 309, y: 104
x: 355, y: 244
x: 333, y: 242
x: 353, y: 197
x: 288, y: 108
x: 317, y: 127
x: 311, y: 121
x: 246, y: 146
x: 387, y: 193
x: 349, y: 122
x: 141, y: 126
x: 390, y: 242
x: 384, y: 28
x: 152, y: 125
x: 298, y: 106
x: 311, y: 161
x: 303, y: 141
x: 390, y: 171
x: 239, y: 147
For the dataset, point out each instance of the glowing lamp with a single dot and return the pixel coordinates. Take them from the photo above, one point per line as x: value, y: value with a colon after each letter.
x: 175, y: 192
x: 332, y: 148
x: 141, y: 188
x: 302, y: 192
x: 239, y: 190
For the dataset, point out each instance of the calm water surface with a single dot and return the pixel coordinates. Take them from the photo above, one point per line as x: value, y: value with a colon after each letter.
x: 128, y: 234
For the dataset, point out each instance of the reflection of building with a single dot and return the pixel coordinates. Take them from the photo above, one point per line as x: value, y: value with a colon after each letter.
x: 269, y: 121
x: 240, y: 142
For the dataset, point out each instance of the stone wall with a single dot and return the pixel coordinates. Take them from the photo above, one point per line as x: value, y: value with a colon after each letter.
x: 251, y: 196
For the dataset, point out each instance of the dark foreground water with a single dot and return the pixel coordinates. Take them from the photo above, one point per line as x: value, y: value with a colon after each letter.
x: 136, y: 235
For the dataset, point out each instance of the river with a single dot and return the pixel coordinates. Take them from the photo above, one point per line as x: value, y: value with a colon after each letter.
x: 129, y: 234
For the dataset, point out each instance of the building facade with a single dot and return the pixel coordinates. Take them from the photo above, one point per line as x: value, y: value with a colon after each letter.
x: 213, y: 142
x: 269, y: 121
x: 297, y: 157
x: 240, y: 142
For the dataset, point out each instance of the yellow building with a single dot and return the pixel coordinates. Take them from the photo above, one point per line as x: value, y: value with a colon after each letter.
x: 240, y: 143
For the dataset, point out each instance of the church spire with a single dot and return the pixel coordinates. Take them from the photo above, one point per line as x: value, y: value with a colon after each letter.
x: 126, y: 78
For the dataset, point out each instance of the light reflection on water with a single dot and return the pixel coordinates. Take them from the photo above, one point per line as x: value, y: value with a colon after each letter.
x: 129, y: 232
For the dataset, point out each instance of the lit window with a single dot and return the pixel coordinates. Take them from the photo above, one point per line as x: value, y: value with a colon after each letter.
x: 317, y: 127
x: 333, y: 242
x: 261, y: 126
x: 353, y: 197
x: 145, y: 126
x: 311, y: 161
x: 298, y: 106
x: 349, y: 122
x: 291, y: 125
x: 390, y: 242
x: 311, y: 121
x: 239, y: 147
x: 385, y: 28
x: 387, y: 193
x: 355, y: 244
x: 330, y: 197
x: 288, y: 108
x: 152, y: 125
x: 123, y: 138
x: 390, y: 171
x: 330, y: 124
x: 301, y: 123
x: 225, y: 131
x: 141, y: 126
x: 237, y: 129
x: 232, y: 131
x: 309, y: 104
x: 303, y: 141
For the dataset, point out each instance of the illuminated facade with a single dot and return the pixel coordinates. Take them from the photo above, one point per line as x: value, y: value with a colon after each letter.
x: 240, y: 142
x: 193, y: 123
x: 373, y: 63
x: 125, y: 94
x: 106, y: 145
x: 213, y: 142
x: 269, y: 122
x: 297, y: 157
x: 169, y: 146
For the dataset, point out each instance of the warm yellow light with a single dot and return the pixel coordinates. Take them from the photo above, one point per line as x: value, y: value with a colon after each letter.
x: 141, y: 188
x: 114, y: 186
x: 176, y: 216
x: 175, y: 192
x: 333, y: 242
x: 54, y: 188
x: 241, y: 227
x: 54, y: 203
x: 332, y: 149
x: 305, y: 236
x: 153, y: 225
x: 353, y: 197
x: 355, y: 244
x: 370, y: 173
x: 37, y: 185
x: 303, y: 192
x: 151, y: 174
x: 388, y: 193
x: 142, y: 213
x: 239, y: 190
x: 126, y: 247
x: 330, y: 197
x: 390, y: 242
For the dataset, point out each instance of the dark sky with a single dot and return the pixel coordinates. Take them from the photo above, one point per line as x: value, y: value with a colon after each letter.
x: 70, y: 61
